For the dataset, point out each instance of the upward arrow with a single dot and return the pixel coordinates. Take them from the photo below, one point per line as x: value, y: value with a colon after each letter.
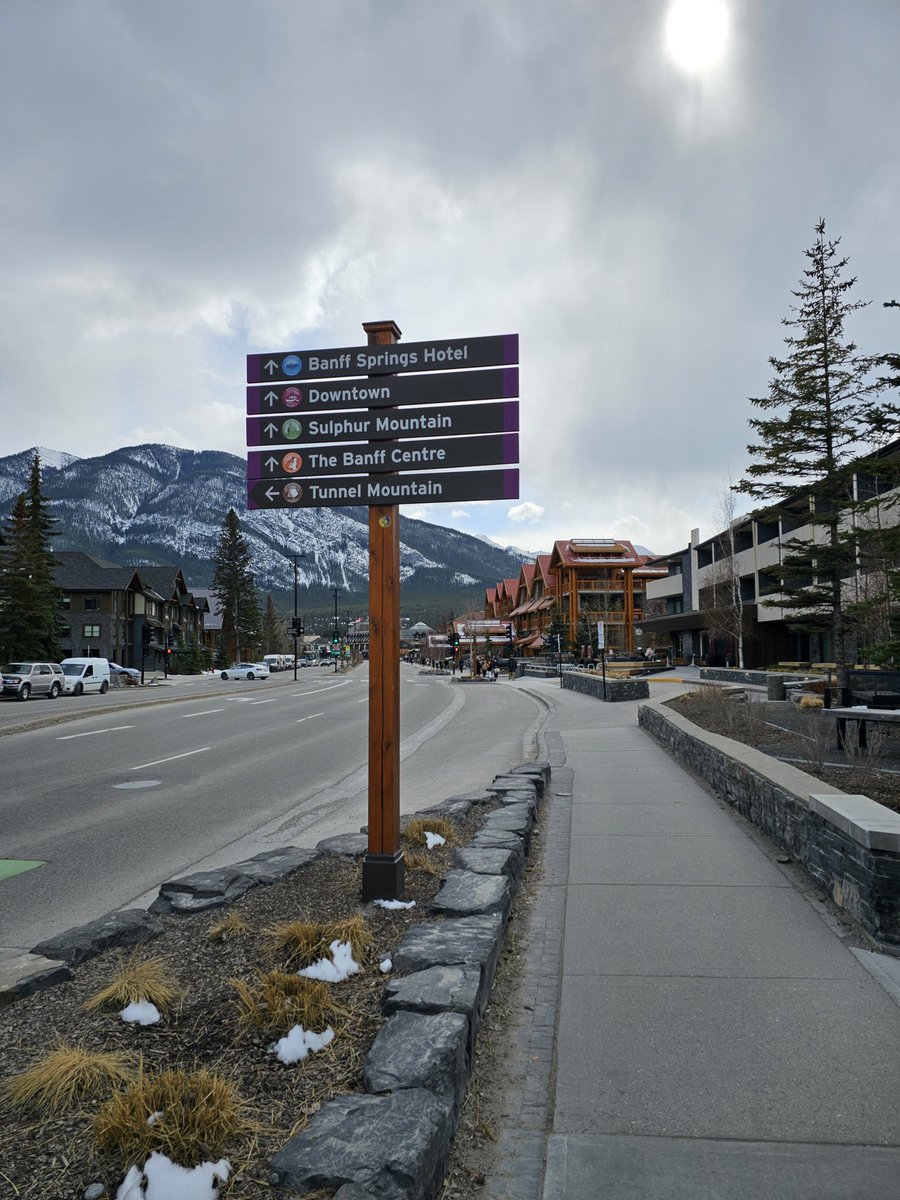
x: 271, y: 429
x: 271, y: 397
x: 271, y: 462
x: 271, y: 366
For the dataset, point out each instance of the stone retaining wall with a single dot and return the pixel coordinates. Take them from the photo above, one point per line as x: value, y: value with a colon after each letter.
x: 591, y: 684
x: 849, y: 845
x: 756, y: 678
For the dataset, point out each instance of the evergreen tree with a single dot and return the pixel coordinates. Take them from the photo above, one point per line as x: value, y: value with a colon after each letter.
x: 29, y: 597
x: 274, y: 632
x: 234, y: 587
x: 557, y: 635
x: 821, y: 417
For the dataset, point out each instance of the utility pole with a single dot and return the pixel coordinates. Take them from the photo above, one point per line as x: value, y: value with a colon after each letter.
x: 335, y: 635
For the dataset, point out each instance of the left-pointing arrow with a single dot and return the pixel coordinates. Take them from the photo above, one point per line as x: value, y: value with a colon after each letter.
x: 272, y: 493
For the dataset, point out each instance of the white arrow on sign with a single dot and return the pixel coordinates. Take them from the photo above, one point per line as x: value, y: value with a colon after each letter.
x: 271, y: 429
x: 271, y: 366
x: 271, y: 397
x: 271, y: 493
x: 271, y: 463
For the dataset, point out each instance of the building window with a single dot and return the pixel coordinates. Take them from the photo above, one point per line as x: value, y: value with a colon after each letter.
x: 64, y: 602
x: 91, y: 604
x: 65, y: 631
x: 91, y: 631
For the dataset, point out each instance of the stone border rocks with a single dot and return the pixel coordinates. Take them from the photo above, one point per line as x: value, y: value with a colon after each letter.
x: 393, y: 1141
x: 849, y: 845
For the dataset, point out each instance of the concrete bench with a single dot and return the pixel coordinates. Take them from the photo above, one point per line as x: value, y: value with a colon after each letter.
x: 863, y: 717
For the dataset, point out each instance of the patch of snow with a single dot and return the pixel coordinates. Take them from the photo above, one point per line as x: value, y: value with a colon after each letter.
x: 460, y: 579
x: 300, y: 1042
x: 434, y: 839
x: 391, y: 904
x: 335, y: 969
x: 161, y: 1179
x: 140, y: 1012
x: 385, y: 965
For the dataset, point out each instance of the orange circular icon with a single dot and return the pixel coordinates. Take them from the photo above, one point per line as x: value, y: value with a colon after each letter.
x: 292, y: 462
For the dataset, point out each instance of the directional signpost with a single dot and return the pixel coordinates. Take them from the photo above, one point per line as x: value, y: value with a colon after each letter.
x: 382, y: 425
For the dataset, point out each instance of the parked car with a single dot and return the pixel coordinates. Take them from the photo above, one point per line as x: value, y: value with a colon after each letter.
x: 85, y: 675
x: 24, y: 679
x: 124, y: 674
x: 246, y: 670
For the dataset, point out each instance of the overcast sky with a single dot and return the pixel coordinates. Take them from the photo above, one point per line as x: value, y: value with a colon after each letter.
x: 187, y: 181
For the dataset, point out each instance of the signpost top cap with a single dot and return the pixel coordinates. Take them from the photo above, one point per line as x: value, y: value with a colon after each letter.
x: 389, y: 327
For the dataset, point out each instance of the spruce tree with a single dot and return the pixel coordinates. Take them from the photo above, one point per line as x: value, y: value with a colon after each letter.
x: 29, y: 597
x: 234, y: 587
x: 821, y: 417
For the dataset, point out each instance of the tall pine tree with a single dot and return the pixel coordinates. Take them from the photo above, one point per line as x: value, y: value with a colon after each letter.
x: 234, y: 587
x: 821, y: 417
x: 29, y: 597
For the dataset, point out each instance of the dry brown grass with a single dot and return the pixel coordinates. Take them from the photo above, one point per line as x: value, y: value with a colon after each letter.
x: 415, y: 831
x: 301, y: 943
x: 148, y: 979
x: 277, y: 1001
x: 231, y: 926
x: 810, y: 702
x: 68, y: 1076
x: 421, y: 862
x: 190, y: 1117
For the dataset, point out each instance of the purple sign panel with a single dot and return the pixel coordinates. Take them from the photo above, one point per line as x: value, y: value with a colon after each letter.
x: 386, y: 392
x: 450, y: 487
x: 366, y: 426
x: 437, y: 453
x: 456, y: 354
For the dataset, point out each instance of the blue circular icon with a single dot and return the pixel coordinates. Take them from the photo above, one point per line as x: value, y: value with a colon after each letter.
x: 291, y: 364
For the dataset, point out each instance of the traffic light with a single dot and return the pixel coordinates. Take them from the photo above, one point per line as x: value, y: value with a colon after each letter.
x: 510, y: 634
x: 455, y: 640
x: 146, y: 638
x: 170, y: 639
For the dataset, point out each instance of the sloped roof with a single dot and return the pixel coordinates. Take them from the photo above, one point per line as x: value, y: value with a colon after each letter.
x: 75, y: 571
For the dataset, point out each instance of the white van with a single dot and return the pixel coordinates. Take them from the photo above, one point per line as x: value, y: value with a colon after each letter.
x: 85, y: 675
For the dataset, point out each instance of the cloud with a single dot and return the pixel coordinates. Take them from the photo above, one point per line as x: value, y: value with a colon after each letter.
x: 526, y: 512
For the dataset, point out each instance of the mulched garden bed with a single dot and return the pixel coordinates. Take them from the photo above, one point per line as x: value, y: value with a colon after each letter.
x: 44, y: 1155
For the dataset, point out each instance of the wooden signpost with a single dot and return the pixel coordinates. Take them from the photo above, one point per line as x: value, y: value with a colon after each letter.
x: 310, y: 459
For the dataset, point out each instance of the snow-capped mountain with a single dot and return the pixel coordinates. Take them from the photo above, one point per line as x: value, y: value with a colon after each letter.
x: 160, y: 504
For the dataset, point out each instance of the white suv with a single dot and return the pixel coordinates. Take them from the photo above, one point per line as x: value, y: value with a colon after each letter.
x: 24, y: 679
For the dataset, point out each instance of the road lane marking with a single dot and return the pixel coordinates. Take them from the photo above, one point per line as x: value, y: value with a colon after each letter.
x: 90, y: 733
x: 272, y: 701
x: 156, y: 762
x: 365, y: 700
x: 300, y: 720
x: 204, y: 712
x: 313, y: 691
x: 18, y: 866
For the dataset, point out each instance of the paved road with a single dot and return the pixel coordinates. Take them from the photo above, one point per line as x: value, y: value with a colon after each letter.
x: 133, y: 793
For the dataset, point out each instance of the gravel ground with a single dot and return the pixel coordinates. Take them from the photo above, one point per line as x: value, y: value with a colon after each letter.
x: 46, y: 1155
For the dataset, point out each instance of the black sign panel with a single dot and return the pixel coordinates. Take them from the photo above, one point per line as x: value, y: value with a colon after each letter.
x: 438, y: 454
x: 384, y: 393
x: 453, y: 421
x: 456, y: 354
x: 450, y: 487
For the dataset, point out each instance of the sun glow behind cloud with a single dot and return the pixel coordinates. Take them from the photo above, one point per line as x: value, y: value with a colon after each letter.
x: 696, y: 34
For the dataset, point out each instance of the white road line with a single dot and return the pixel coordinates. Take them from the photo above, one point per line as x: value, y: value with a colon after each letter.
x: 204, y: 712
x: 113, y: 729
x: 313, y: 691
x: 156, y: 762
x: 309, y: 718
x: 363, y: 701
x: 272, y: 701
x: 241, y: 699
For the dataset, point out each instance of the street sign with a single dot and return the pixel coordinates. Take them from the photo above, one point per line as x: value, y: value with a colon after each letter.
x: 386, y: 392
x: 435, y: 488
x: 495, y: 449
x: 601, y: 635
x: 458, y: 353
x: 452, y: 421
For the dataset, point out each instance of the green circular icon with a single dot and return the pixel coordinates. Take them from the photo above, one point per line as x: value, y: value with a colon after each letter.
x: 291, y: 428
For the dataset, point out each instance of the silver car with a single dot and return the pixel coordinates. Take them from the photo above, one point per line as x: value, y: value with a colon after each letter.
x: 25, y: 679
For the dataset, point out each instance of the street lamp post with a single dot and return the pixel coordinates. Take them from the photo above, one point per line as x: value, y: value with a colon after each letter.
x: 296, y: 627
x: 335, y: 635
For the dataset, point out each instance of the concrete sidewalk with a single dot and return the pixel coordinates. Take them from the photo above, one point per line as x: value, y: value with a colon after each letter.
x: 716, y: 1039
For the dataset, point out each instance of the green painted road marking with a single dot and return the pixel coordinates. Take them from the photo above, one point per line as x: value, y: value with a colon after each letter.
x: 16, y: 866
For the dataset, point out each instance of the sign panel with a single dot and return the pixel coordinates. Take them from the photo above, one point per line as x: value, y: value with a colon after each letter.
x: 435, y: 488
x: 601, y: 635
x: 438, y: 453
x: 440, y: 355
x: 366, y: 426
x: 385, y: 392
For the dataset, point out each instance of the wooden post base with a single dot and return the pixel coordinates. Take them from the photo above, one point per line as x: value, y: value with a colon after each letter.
x: 383, y: 876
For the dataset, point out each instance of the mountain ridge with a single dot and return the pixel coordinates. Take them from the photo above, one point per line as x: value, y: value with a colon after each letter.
x: 155, y: 504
